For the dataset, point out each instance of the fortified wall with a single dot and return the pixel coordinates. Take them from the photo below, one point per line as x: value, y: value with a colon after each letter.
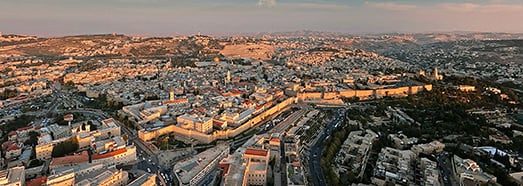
x: 145, y: 135
x: 366, y: 94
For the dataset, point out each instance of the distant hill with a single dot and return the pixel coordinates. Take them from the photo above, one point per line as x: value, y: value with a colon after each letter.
x: 118, y: 45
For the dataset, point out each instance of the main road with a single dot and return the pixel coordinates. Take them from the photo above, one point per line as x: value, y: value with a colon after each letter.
x: 315, y: 151
x: 147, y: 160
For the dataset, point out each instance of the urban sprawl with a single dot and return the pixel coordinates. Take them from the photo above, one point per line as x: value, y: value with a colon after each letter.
x: 276, y: 109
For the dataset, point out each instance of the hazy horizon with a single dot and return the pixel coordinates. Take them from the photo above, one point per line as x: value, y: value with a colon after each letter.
x: 254, y: 33
x: 184, y: 17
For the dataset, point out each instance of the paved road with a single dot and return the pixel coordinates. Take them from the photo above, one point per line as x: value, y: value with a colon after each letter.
x: 287, y: 122
x: 57, y: 98
x: 444, y: 169
x: 315, y: 150
x: 280, y: 128
x: 279, y: 115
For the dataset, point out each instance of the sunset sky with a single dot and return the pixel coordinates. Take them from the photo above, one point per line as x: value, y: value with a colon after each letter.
x: 170, y: 17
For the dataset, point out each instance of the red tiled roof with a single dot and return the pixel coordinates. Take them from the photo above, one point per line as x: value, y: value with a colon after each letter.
x: 277, y: 140
x: 233, y: 93
x: 225, y: 167
x: 24, y: 128
x: 72, y: 159
x: 185, y: 100
x: 13, y: 147
x: 201, y: 109
x: 217, y: 122
x: 236, y: 91
x: 257, y: 152
x: 6, y: 144
x: 12, y: 133
x: 259, y: 107
x: 36, y: 181
x: 268, y: 104
x: 68, y: 116
x: 109, y: 154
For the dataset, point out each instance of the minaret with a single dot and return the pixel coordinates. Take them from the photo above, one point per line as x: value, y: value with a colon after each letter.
x: 228, y: 78
x: 436, y: 74
x: 171, y: 94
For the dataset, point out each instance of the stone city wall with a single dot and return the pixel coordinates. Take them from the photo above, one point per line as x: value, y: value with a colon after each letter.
x: 366, y: 94
x: 223, y: 134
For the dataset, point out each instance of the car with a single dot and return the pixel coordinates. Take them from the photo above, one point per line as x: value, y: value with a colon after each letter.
x: 148, y: 170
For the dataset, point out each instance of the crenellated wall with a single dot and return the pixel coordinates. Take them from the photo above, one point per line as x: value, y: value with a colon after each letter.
x: 223, y: 134
x: 366, y: 94
x: 230, y: 133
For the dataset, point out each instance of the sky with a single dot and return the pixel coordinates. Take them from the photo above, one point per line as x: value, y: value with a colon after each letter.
x: 180, y: 17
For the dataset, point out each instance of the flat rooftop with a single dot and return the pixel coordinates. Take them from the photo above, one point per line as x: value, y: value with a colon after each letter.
x: 257, y: 166
x: 79, y: 167
x: 191, y: 167
x: 15, y: 174
x: 142, y: 179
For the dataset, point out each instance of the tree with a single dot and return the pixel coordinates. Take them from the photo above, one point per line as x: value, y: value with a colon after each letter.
x: 69, y: 85
x: 64, y: 148
x: 35, y: 163
x: 59, y: 119
x: 8, y: 93
x: 152, y: 97
x: 33, y: 138
x: 351, y: 176
x: 18, y: 122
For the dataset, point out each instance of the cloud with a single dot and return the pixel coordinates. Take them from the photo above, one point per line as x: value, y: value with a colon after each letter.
x: 390, y: 6
x: 460, y: 7
x: 321, y: 6
x: 482, y: 8
x: 266, y: 3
